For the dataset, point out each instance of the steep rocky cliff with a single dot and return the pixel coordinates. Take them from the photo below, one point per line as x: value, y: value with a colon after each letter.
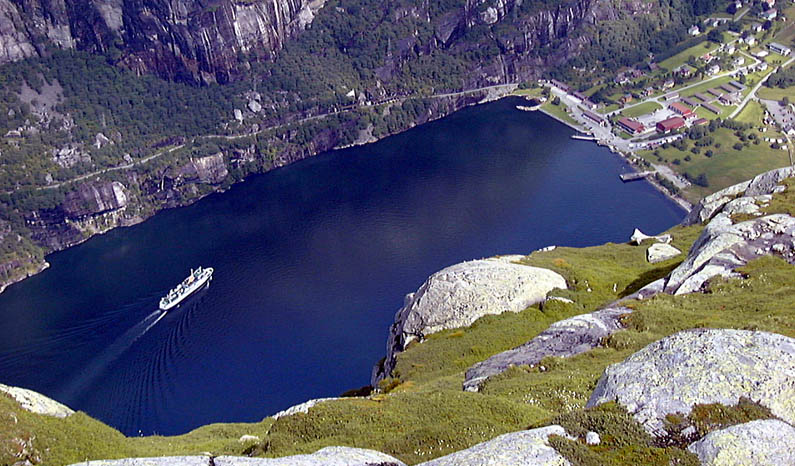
x: 185, y: 39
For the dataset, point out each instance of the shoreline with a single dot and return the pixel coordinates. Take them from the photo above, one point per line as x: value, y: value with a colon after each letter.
x: 489, y: 97
x: 683, y: 203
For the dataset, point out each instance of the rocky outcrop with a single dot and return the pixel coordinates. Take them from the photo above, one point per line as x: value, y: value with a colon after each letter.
x: 210, y: 169
x: 702, y: 366
x: 724, y: 244
x: 94, y: 198
x: 660, y: 252
x: 566, y: 338
x: 36, y: 402
x: 186, y: 39
x: 303, y: 407
x: 762, y: 443
x: 762, y: 185
x: 525, y: 448
x: 329, y: 456
x: 460, y: 294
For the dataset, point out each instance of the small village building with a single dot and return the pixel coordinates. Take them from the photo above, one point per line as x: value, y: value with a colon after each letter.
x: 626, y: 98
x: 671, y: 96
x: 595, y: 118
x: 769, y: 15
x: 702, y: 97
x: 762, y: 66
x: 730, y: 99
x: 694, y: 31
x: 700, y: 122
x: 756, y: 27
x: 739, y: 61
x: 769, y: 3
x: 740, y: 86
x: 715, y: 92
x: 680, y: 109
x: 668, y: 84
x: 727, y: 88
x: 690, y: 101
x: 588, y: 103
x: 631, y: 126
x: 671, y: 124
x: 580, y: 96
x: 713, y: 69
x: 761, y: 54
x: 779, y: 48
x: 730, y: 49
x: 712, y: 108
x: 750, y: 40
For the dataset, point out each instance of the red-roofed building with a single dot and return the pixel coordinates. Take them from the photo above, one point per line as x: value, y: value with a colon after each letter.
x: 700, y: 122
x: 671, y: 124
x: 632, y: 126
x: 681, y: 110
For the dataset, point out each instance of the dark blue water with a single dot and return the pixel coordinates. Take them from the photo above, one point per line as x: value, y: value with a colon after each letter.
x: 311, y: 261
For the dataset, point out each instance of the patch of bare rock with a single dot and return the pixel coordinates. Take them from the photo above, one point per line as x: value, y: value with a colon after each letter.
x: 766, y: 442
x: 460, y: 294
x: 702, y: 366
x: 524, y: 448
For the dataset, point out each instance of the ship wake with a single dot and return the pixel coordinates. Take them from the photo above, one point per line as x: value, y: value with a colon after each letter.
x: 99, y: 364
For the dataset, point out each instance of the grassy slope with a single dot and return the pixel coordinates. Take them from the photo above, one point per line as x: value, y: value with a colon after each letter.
x: 641, y: 109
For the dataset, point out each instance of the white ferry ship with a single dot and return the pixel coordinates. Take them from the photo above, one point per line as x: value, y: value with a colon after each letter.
x: 194, y: 282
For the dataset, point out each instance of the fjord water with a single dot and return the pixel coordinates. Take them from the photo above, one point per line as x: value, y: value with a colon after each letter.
x: 311, y: 262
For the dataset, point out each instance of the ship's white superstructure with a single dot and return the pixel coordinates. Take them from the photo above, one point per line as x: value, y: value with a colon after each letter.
x: 194, y: 282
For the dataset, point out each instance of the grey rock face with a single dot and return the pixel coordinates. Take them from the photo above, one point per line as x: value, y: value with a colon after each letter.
x: 763, y: 443
x: 303, y: 407
x: 702, y: 366
x: 764, y: 184
x: 525, y: 448
x: 156, y: 461
x: 660, y: 252
x: 36, y: 402
x: 210, y: 169
x: 329, y: 456
x: 180, y: 38
x: 95, y: 198
x: 562, y: 339
x: 724, y: 246
x: 459, y: 295
x: 592, y: 438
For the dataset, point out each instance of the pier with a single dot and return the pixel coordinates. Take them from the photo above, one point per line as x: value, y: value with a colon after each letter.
x: 626, y: 177
x: 583, y: 138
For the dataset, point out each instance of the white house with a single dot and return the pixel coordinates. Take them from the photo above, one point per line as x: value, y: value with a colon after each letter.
x: 714, y: 69
x: 750, y: 40
x: 694, y: 31
x: 779, y: 49
x: 769, y: 15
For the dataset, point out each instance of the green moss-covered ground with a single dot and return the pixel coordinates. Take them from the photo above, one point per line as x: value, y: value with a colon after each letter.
x: 426, y: 414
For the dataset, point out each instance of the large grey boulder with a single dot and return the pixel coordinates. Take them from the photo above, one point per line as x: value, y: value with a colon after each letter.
x: 460, y: 294
x: 155, y: 461
x: 659, y: 252
x: 765, y: 184
x: 329, y: 456
x: 724, y: 246
x: 525, y: 448
x: 36, y: 402
x: 304, y: 407
x: 702, y: 366
x: 565, y: 338
x: 768, y: 442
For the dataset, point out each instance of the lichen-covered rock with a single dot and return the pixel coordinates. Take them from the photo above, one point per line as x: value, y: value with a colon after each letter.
x: 724, y: 246
x: 525, y: 448
x: 460, y: 294
x: 768, y: 442
x: 303, y: 407
x: 154, y: 461
x: 329, y: 456
x: 764, y: 184
x: 94, y: 198
x: 36, y: 402
x: 210, y: 169
x: 659, y: 252
x: 702, y: 366
x: 566, y: 338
